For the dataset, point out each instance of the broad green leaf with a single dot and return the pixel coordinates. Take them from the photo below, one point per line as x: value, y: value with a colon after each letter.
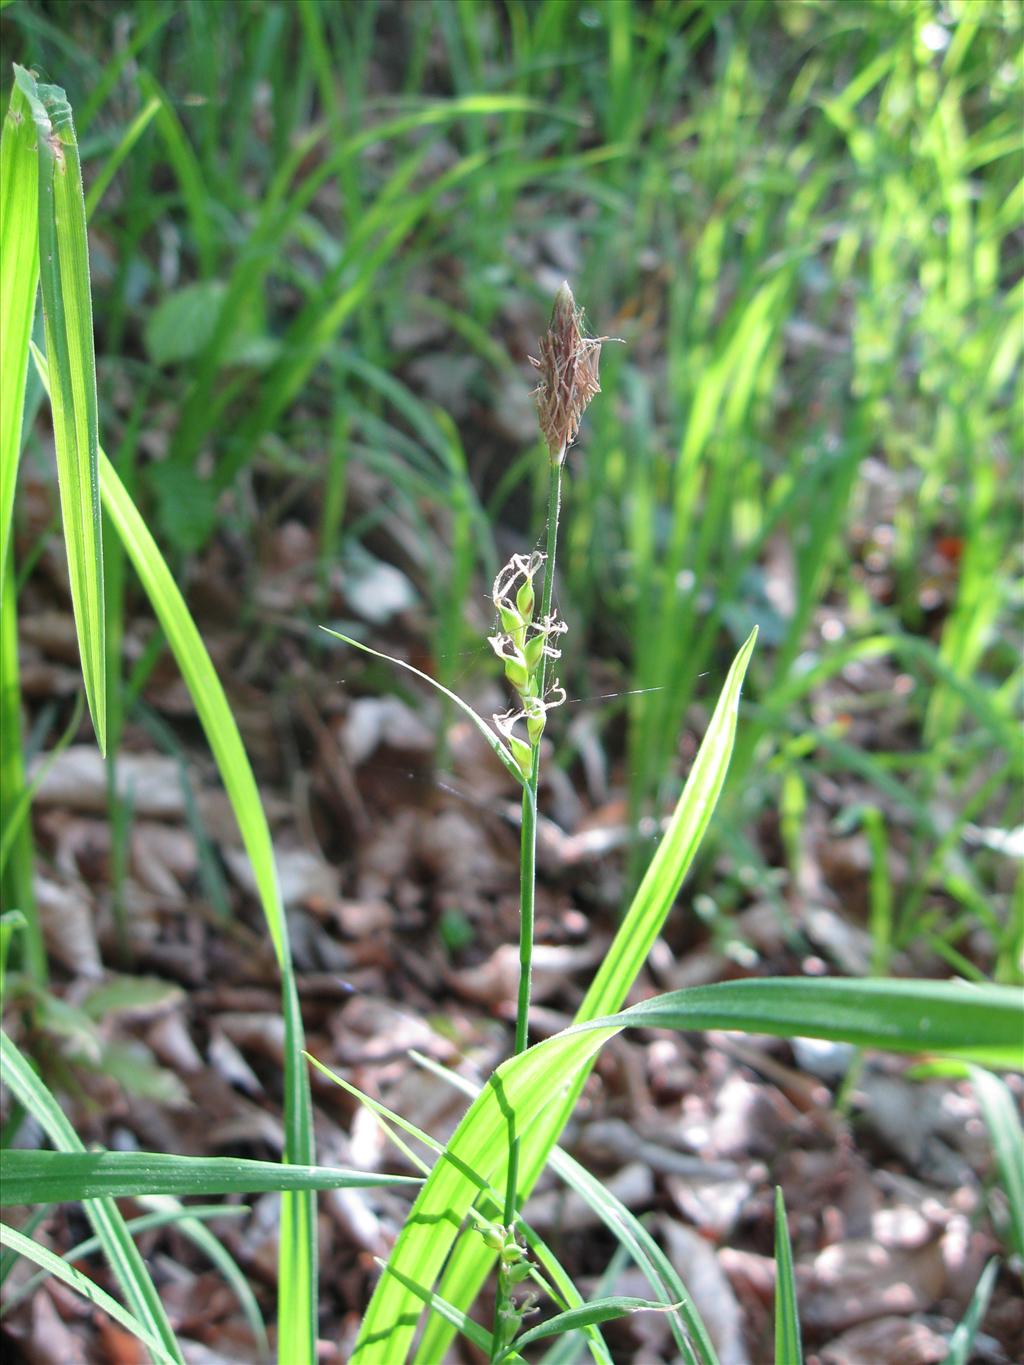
x: 53, y: 1265
x: 19, y: 280
x: 120, y: 1250
x: 514, y: 1097
x: 788, y: 1347
x: 67, y: 314
x: 1004, y: 1127
x: 470, y: 1259
x: 28, y: 1177
x: 623, y: 1224
x: 490, y: 1206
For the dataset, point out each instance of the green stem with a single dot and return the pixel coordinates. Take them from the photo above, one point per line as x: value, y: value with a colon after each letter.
x: 527, y: 880
x: 528, y: 832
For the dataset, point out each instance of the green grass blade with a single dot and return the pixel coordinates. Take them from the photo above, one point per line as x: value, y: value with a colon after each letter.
x: 668, y: 867
x: 509, y: 1104
x: 8, y: 1259
x: 297, y: 1280
x: 35, y: 1177
x: 912, y: 1016
x: 500, y: 750
x: 492, y: 1203
x: 598, y: 1310
x: 173, y: 1216
x: 691, y: 1336
x: 15, y: 815
x: 624, y: 1225
x: 19, y: 280
x: 10, y: 922
x: 962, y: 1340
x: 67, y: 312
x: 297, y: 1274
x: 195, y: 1229
x: 472, y: 1331
x: 186, y: 168
x: 18, y: 883
x: 788, y: 1347
x: 53, y: 1265
x: 1004, y: 1128
x: 945, y: 1018
x: 470, y: 1260
x: 120, y: 1250
x: 132, y: 133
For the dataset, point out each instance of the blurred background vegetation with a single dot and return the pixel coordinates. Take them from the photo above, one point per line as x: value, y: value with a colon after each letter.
x: 324, y: 238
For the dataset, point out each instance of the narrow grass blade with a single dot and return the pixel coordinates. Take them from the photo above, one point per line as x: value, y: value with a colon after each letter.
x: 961, y: 1343
x: 147, y: 1222
x: 19, y: 280
x: 660, y: 886
x: 128, y: 1267
x: 67, y: 312
x: 470, y: 1260
x: 15, y: 815
x: 297, y: 1278
x: 53, y: 1265
x: 788, y: 1347
x: 8, y: 1259
x: 53, y: 1177
x: 945, y: 1018
x: 131, y: 135
x: 1004, y: 1128
x: 197, y: 1232
x: 598, y: 1310
x: 17, y: 886
x: 472, y: 1331
x: 191, y: 1223
x: 691, y: 1336
x: 503, y: 753
x: 10, y: 922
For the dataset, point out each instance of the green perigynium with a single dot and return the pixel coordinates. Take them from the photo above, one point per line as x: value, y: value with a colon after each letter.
x: 523, y: 644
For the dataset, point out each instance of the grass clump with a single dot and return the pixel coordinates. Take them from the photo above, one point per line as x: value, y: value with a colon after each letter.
x: 806, y: 229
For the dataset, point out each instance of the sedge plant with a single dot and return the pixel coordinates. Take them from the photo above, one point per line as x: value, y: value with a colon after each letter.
x: 468, y: 1212
x: 467, y: 1216
x: 568, y: 366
